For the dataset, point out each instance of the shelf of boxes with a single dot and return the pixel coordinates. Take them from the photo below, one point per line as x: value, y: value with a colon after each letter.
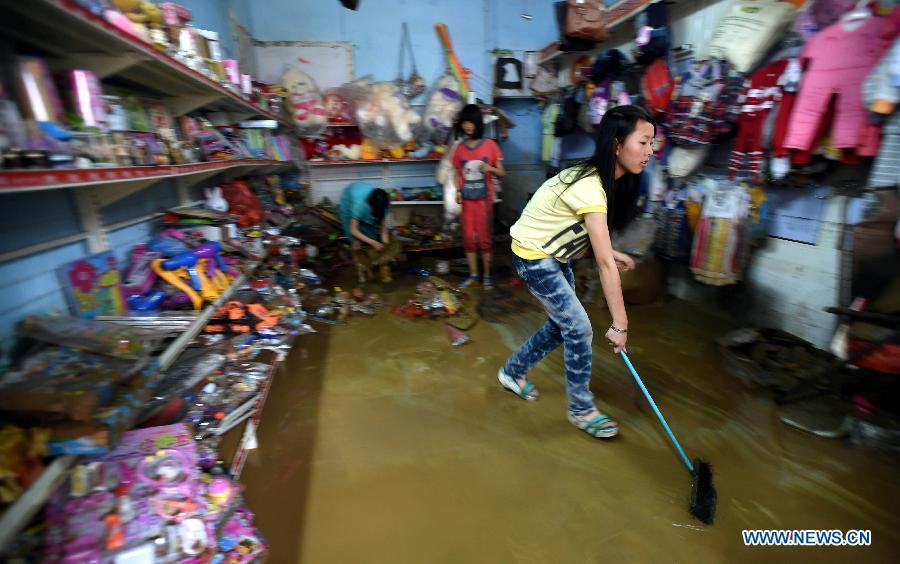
x: 80, y: 39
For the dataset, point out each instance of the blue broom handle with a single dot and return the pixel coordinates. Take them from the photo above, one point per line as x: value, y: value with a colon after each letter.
x: 659, y: 414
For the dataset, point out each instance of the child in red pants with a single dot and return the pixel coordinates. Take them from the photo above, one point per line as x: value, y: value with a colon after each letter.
x: 476, y: 161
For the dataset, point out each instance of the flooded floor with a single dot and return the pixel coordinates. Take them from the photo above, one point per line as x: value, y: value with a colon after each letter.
x: 382, y: 443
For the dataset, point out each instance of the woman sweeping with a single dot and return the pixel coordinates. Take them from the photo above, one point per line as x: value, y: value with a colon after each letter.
x: 575, y: 208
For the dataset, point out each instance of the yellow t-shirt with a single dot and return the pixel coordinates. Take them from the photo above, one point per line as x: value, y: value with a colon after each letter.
x: 552, y: 224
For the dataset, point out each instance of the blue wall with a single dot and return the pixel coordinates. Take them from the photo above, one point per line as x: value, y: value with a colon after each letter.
x: 476, y: 28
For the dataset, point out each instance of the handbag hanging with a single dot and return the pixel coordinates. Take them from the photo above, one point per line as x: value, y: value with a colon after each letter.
x: 567, y: 43
x: 585, y: 19
x: 415, y: 84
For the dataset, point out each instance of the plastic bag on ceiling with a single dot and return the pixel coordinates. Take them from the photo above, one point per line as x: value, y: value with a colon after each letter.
x: 384, y: 115
x: 441, y: 108
x: 304, y: 101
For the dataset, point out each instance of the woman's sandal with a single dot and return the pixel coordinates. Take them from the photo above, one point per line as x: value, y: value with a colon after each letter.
x: 527, y: 392
x: 595, y: 427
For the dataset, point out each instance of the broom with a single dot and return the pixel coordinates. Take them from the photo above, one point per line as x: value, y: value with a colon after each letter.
x: 703, y: 493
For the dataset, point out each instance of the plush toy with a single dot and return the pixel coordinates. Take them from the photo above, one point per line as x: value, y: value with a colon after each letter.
x: 443, y: 104
x: 305, y: 102
x: 369, y: 150
x: 385, y: 116
x: 343, y: 152
x: 215, y: 201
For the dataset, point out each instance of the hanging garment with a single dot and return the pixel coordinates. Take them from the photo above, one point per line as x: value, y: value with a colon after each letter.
x: 673, y: 233
x: 838, y: 60
x: 881, y: 92
x: 705, y: 105
x: 721, y: 241
x: 761, y: 93
x: 508, y: 73
x: 548, y: 121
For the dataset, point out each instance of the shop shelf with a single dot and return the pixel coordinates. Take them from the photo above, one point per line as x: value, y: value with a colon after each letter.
x: 81, y: 39
x: 20, y: 512
x: 26, y: 506
x: 423, y: 202
x: 178, y: 345
x: 259, y: 402
x: 30, y: 180
x: 376, y: 161
x: 417, y: 202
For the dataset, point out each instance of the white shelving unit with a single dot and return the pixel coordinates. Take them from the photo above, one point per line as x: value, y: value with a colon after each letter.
x: 329, y: 178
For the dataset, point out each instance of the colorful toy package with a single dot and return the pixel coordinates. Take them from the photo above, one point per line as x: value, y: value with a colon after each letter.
x: 92, y: 286
x: 143, y: 502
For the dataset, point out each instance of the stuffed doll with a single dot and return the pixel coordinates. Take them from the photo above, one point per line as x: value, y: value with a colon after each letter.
x: 305, y: 102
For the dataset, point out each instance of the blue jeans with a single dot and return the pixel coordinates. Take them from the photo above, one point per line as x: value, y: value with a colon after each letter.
x: 553, y: 284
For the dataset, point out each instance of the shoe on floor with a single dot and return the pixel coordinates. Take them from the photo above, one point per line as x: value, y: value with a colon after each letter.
x: 527, y: 391
x: 595, y: 426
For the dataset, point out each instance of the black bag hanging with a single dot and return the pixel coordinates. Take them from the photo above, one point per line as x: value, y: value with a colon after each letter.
x: 415, y: 84
x: 567, y: 43
x: 567, y: 120
x: 659, y: 40
x: 508, y: 73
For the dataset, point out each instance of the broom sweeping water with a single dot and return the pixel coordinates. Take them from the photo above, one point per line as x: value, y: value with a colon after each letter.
x: 703, y: 493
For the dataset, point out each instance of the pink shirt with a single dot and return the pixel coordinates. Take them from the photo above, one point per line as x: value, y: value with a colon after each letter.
x: 477, y: 185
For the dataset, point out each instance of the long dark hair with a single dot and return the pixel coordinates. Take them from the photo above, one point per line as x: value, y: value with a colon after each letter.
x: 378, y: 202
x: 622, y: 194
x: 472, y: 113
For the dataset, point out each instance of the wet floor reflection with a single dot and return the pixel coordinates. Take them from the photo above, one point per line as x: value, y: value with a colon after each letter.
x: 382, y: 443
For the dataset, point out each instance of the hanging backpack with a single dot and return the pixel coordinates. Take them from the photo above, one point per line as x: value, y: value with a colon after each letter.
x: 585, y: 19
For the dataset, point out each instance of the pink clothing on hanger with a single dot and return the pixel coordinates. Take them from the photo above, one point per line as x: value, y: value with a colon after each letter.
x: 837, y: 61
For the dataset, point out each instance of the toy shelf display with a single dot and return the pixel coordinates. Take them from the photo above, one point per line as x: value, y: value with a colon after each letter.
x: 182, y: 340
x: 142, y: 89
x: 151, y: 45
x: 49, y: 179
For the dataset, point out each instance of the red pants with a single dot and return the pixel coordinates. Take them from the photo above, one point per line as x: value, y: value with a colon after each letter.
x: 476, y: 225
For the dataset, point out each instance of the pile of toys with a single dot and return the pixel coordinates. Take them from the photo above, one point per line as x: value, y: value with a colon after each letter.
x: 84, y: 381
x: 150, y: 500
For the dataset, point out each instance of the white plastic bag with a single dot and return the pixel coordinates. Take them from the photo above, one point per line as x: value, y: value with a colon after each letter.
x: 441, y: 108
x: 446, y: 176
x: 385, y: 116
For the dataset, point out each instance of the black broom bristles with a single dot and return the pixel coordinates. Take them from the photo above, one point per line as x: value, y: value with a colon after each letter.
x: 703, y: 492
